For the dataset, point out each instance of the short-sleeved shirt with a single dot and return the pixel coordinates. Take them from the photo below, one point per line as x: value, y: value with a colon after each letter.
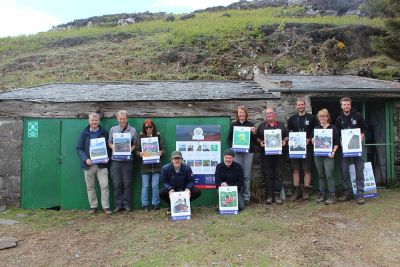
x: 117, y: 129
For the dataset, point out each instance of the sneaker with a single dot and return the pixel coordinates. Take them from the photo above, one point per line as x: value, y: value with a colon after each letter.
x: 296, y: 194
x: 107, y: 211
x: 145, y: 208
x: 127, y: 209
x: 92, y: 211
x: 156, y: 207
x: 117, y: 209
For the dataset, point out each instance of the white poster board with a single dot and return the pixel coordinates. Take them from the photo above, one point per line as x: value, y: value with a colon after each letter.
x: 370, y: 190
x: 273, y: 142
x: 122, y: 146
x: 150, y: 149
x: 323, y: 142
x: 241, y: 139
x: 98, y: 150
x: 297, y: 145
x: 351, y: 142
x: 180, y: 206
x: 228, y: 200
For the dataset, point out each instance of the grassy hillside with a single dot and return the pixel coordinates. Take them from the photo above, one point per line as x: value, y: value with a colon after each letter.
x: 218, y: 45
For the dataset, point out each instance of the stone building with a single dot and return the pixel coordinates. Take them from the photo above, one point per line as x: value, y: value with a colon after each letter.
x: 69, y: 103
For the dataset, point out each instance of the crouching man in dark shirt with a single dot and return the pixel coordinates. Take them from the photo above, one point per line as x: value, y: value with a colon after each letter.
x: 230, y: 173
x: 177, y: 177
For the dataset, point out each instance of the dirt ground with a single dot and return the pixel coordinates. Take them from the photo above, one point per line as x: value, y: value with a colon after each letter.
x: 294, y: 234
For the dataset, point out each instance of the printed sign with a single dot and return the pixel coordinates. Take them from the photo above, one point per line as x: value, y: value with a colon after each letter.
x: 98, y: 150
x: 370, y: 190
x: 297, y: 145
x: 228, y: 200
x: 122, y: 146
x: 273, y: 142
x: 241, y: 139
x: 180, y: 206
x: 351, y: 142
x: 150, y: 149
x: 33, y: 129
x: 323, y: 142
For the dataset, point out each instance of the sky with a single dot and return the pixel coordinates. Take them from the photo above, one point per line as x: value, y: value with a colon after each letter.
x: 22, y: 17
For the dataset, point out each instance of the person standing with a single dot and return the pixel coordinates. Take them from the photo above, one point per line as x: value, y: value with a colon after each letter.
x: 351, y: 119
x: 245, y: 159
x: 152, y: 170
x: 325, y: 165
x: 90, y: 169
x: 302, y: 122
x: 121, y: 167
x: 272, y: 164
x: 230, y: 173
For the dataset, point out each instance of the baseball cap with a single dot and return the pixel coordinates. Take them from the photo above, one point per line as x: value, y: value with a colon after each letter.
x: 176, y: 154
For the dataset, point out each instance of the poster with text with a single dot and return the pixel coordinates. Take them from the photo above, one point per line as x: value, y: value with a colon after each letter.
x: 273, y: 142
x: 122, y: 146
x: 241, y: 139
x: 351, y: 142
x: 200, y: 146
x: 323, y: 142
x: 297, y: 145
x: 180, y: 206
x: 370, y: 190
x: 150, y: 149
x: 98, y: 150
x: 228, y: 200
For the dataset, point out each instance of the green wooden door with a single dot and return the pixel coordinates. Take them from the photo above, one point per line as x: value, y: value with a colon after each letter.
x: 40, y: 182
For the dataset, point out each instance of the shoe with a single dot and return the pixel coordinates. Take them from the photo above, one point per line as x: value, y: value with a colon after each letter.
x: 127, y: 209
x: 107, y: 211
x: 296, y: 194
x: 269, y: 200
x: 345, y: 197
x: 331, y: 199
x: 321, y: 197
x: 306, y: 192
x: 117, y: 209
x: 156, y: 207
x: 145, y: 208
x: 92, y: 211
x: 277, y: 198
x: 360, y: 198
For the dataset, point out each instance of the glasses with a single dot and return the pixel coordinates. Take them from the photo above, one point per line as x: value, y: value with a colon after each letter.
x: 148, y: 127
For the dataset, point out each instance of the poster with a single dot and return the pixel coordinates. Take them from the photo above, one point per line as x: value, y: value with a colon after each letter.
x: 150, y: 149
x: 122, y: 146
x: 297, y: 145
x: 273, y: 142
x: 98, y: 150
x: 228, y: 200
x: 323, y: 142
x: 241, y: 139
x: 370, y: 190
x: 180, y: 206
x: 351, y: 142
x: 200, y: 146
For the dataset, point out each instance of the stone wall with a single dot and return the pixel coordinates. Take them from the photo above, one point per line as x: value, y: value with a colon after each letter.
x: 10, y: 160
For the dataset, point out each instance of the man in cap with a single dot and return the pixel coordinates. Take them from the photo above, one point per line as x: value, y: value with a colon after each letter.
x: 177, y: 177
x: 230, y: 173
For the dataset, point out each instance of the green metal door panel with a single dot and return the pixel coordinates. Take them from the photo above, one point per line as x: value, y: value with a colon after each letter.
x: 40, y: 182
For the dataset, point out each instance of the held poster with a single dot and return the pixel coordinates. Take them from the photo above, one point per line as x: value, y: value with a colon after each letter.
x: 228, y: 200
x: 323, y: 142
x: 200, y: 146
x: 370, y: 190
x: 273, y: 142
x: 241, y: 139
x: 180, y: 206
x: 351, y: 142
x: 98, y: 150
x: 150, y: 149
x: 297, y: 145
x: 122, y: 146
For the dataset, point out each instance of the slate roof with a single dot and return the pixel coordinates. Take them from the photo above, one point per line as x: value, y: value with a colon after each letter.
x: 140, y: 91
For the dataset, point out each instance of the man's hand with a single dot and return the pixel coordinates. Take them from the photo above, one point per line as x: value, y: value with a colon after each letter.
x: 188, y: 190
x: 224, y: 184
x: 88, y: 162
x: 170, y: 191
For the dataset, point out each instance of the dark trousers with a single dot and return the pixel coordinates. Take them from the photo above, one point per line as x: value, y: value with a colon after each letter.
x: 344, y: 168
x: 121, y: 176
x: 194, y: 193
x: 272, y: 169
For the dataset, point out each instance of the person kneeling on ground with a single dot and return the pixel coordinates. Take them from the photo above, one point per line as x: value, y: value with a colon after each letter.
x: 230, y: 173
x: 177, y: 177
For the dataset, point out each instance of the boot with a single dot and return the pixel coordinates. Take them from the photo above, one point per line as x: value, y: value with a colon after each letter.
x: 269, y: 199
x: 296, y: 194
x: 306, y: 192
x: 360, y: 198
x: 277, y: 198
x: 321, y: 197
x: 331, y: 199
x: 345, y: 197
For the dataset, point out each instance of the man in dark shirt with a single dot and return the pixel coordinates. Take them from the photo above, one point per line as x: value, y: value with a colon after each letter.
x: 230, y: 173
x: 177, y: 177
x: 350, y: 119
x: 302, y: 122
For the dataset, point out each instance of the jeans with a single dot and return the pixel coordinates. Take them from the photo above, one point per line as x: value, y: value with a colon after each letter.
x: 102, y: 177
x: 246, y: 161
x: 155, y: 198
x: 344, y: 168
x: 121, y: 176
x: 272, y: 170
x: 325, y: 168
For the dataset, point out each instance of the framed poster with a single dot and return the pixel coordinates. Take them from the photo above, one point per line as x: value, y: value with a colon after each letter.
x: 200, y: 146
x: 297, y: 145
x: 323, y: 142
x: 370, y: 190
x: 273, y: 142
x: 180, y: 206
x: 122, y: 146
x: 241, y: 139
x: 150, y: 149
x: 228, y: 200
x: 98, y: 150
x: 351, y: 142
